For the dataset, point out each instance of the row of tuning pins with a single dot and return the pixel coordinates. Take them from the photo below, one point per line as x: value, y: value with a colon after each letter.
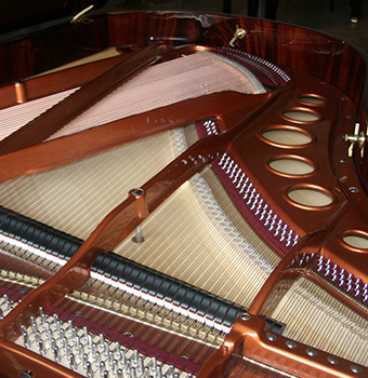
x: 6, y: 305
x: 90, y: 355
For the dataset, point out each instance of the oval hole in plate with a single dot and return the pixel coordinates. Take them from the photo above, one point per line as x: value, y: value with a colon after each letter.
x: 312, y: 99
x: 356, y: 240
x: 286, y: 137
x: 301, y: 115
x: 310, y: 197
x: 291, y: 166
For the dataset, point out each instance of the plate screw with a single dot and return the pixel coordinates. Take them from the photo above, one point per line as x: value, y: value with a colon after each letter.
x: 311, y: 352
x: 290, y: 344
x: 355, y: 369
x: 333, y: 360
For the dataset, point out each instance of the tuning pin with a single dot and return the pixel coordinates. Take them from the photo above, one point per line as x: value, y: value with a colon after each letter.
x: 122, y: 358
x: 85, y: 333
x: 49, y: 335
x: 56, y: 325
x: 52, y: 343
x: 97, y: 357
x: 140, y: 367
x: 102, y: 340
x: 46, y: 326
x: 158, y: 371
x: 80, y: 349
x: 117, y: 349
x: 37, y: 337
x: 42, y: 315
x: 73, y: 333
x: 127, y: 367
x: 90, y: 343
x: 84, y: 361
x: 110, y: 357
x: 153, y: 364
x: 133, y: 373
x: 146, y: 373
x: 70, y: 325
x: 76, y: 340
x: 106, y: 348
x: 64, y: 343
x: 93, y: 348
x: 61, y: 332
x: 135, y: 356
x: 89, y: 370
x: 7, y: 303
x: 41, y: 347
x: 102, y: 368
x: 170, y: 372
x: 72, y: 362
x: 56, y: 354
x: 26, y: 340
x: 68, y: 352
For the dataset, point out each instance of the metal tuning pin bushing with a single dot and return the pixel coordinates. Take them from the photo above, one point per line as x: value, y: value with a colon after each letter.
x: 239, y: 34
x: 358, y: 138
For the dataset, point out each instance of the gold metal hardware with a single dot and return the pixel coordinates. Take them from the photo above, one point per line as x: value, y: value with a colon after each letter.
x: 358, y: 138
x: 239, y: 34
x: 80, y: 17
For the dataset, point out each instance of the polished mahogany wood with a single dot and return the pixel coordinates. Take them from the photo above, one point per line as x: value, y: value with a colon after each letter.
x: 323, y: 56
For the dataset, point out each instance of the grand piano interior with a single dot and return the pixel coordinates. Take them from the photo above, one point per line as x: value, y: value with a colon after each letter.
x: 182, y: 195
